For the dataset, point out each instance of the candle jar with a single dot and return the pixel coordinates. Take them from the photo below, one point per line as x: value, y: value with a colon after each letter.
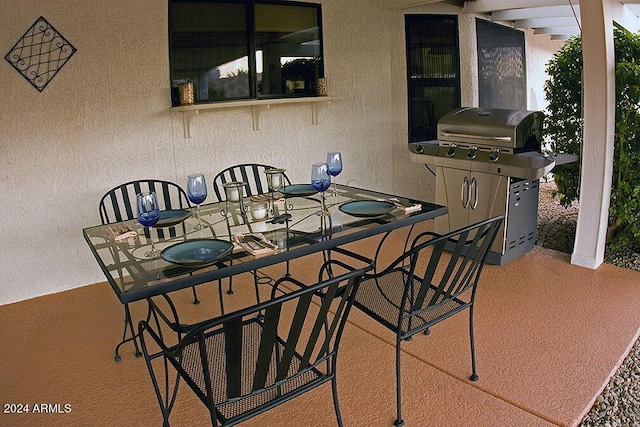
x: 258, y: 211
x: 275, y: 178
x: 186, y: 93
x: 321, y: 86
x: 233, y: 190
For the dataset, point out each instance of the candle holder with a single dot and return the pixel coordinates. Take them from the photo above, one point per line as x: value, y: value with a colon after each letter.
x: 275, y: 181
x: 321, y: 86
x: 234, y: 193
x: 186, y: 93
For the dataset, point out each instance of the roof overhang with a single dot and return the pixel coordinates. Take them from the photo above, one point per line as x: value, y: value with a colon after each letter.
x: 560, y: 19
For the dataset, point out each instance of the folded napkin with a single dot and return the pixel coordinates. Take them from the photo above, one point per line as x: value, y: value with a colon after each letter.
x: 254, y: 243
x: 406, y: 207
x: 121, y: 232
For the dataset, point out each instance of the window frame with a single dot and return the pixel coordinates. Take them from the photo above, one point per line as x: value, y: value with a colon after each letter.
x: 250, y: 16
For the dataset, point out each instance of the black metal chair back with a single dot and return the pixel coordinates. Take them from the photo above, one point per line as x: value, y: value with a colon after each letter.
x: 251, y: 173
x: 119, y: 204
x: 434, y: 279
x: 249, y: 361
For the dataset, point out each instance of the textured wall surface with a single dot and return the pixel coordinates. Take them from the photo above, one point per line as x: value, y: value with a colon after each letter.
x: 105, y: 119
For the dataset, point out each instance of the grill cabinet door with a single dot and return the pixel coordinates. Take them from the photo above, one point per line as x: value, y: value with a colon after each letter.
x: 491, y: 192
x: 470, y: 197
x: 451, y: 192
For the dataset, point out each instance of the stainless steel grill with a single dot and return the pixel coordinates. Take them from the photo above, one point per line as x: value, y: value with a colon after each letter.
x: 494, y: 141
x: 487, y: 163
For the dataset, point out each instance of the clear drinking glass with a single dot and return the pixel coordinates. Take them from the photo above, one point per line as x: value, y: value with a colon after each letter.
x: 197, y: 193
x: 148, y: 215
x: 334, y: 163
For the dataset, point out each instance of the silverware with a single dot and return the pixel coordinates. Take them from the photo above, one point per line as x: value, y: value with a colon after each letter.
x: 400, y: 204
x: 252, y: 241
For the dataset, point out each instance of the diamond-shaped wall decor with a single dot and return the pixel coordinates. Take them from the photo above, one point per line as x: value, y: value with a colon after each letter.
x: 40, y: 53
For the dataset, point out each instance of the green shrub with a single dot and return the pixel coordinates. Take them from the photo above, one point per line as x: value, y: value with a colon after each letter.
x: 564, y: 124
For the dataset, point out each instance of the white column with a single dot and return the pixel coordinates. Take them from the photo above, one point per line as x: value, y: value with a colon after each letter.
x: 599, y: 128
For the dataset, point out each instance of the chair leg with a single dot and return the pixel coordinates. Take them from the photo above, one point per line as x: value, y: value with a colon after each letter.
x: 128, y: 325
x: 230, y: 290
x: 195, y: 296
x: 399, y: 421
x: 336, y: 405
x: 255, y: 285
x: 166, y: 404
x: 220, y: 296
x: 474, y: 375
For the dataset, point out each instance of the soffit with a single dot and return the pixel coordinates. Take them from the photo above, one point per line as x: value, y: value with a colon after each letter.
x: 559, y: 19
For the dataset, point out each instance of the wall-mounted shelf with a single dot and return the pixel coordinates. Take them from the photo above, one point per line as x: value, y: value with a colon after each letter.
x: 257, y: 107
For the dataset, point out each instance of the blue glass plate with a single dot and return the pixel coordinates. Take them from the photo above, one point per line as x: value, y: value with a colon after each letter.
x: 197, y: 252
x: 298, y: 190
x: 367, y: 208
x: 169, y: 218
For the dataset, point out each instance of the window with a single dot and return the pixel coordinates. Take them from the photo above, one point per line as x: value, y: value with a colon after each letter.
x: 433, y: 72
x: 502, y: 78
x: 244, y: 49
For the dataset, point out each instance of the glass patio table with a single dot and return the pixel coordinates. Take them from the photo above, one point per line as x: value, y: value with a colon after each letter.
x: 305, y: 228
x: 134, y: 277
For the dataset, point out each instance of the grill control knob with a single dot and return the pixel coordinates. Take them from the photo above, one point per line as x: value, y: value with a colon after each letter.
x: 494, y: 155
x: 451, y: 151
x: 472, y: 153
x: 419, y: 149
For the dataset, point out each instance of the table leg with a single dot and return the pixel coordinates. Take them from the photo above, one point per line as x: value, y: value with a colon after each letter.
x: 128, y: 325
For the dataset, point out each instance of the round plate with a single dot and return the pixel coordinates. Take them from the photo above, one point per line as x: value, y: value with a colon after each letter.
x: 298, y: 190
x: 197, y: 252
x: 367, y: 208
x: 171, y: 217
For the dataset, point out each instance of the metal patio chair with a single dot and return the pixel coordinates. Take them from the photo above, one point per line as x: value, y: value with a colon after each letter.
x: 251, y: 173
x: 119, y: 204
x: 250, y: 361
x: 434, y: 279
x: 256, y: 184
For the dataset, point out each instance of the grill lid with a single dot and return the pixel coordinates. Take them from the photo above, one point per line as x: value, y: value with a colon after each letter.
x: 520, y: 130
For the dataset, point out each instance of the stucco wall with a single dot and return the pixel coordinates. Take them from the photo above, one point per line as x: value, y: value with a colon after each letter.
x: 540, y: 49
x: 105, y: 119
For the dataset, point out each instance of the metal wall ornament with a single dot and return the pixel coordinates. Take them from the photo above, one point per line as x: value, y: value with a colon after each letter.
x: 40, y: 53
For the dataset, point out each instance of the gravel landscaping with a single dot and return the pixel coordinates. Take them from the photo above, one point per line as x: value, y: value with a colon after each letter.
x: 619, y: 403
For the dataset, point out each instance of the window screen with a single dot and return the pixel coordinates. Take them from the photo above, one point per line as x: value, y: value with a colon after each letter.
x: 433, y: 72
x: 502, y: 79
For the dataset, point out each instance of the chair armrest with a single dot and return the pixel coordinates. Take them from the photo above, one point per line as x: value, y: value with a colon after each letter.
x: 171, y: 320
x: 330, y: 269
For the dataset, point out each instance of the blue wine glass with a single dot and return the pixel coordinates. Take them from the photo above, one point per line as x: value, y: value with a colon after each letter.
x: 197, y: 193
x: 334, y: 163
x: 321, y: 181
x: 148, y: 215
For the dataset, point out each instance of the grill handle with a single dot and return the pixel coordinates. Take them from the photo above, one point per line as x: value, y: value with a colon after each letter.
x: 474, y: 191
x: 465, y: 192
x: 476, y: 137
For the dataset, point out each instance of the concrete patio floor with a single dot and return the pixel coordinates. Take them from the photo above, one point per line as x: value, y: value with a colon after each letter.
x: 549, y: 335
